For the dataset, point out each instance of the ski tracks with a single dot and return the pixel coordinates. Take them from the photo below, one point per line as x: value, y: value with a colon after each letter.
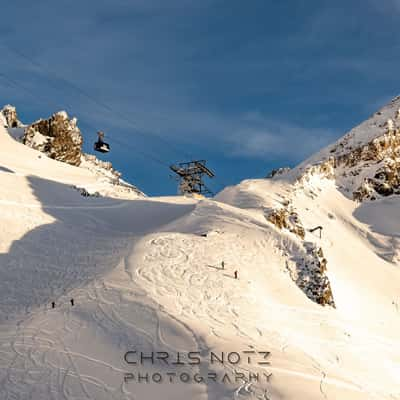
x: 180, y: 272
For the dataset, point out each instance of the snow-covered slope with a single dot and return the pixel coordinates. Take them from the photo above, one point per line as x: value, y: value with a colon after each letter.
x: 146, y: 276
x: 365, y: 163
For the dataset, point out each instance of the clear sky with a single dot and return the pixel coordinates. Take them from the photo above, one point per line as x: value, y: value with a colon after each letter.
x: 247, y: 85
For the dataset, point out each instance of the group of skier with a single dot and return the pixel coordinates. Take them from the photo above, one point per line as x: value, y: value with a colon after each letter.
x: 53, y: 303
x: 235, y: 274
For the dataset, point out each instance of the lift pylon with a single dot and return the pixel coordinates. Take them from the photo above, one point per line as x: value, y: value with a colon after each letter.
x: 191, y: 177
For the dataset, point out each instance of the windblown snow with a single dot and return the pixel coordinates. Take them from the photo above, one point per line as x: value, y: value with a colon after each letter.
x: 321, y: 306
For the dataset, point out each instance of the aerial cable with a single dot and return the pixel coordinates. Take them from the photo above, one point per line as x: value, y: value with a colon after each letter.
x: 94, y: 100
x: 104, y: 106
x: 144, y: 154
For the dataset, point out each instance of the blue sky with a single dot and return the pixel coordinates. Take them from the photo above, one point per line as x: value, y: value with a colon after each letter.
x: 247, y: 85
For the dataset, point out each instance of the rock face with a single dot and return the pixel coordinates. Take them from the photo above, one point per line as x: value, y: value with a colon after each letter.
x: 381, y: 158
x: 285, y: 218
x: 325, y: 169
x: 384, y: 153
x: 309, y: 274
x: 10, y: 117
x: 365, y: 163
x: 58, y: 137
x: 309, y: 271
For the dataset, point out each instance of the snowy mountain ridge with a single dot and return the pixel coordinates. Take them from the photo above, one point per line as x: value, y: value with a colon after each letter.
x: 290, y: 266
x: 365, y: 162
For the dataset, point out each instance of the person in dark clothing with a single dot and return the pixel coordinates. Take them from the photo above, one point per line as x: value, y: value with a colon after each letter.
x: 72, y: 302
x: 53, y: 304
x: 236, y: 274
x: 223, y: 265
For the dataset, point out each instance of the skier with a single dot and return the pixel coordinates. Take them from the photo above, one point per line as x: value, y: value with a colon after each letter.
x: 236, y: 274
x: 223, y: 265
x: 72, y: 302
x: 53, y: 304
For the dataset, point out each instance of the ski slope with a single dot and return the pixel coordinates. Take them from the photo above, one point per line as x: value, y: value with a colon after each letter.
x: 145, y: 275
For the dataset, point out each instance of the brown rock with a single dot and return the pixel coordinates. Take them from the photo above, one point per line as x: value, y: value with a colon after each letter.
x: 58, y: 137
x: 10, y: 115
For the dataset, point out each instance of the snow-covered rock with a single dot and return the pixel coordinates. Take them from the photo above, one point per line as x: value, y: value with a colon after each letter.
x: 9, y: 117
x: 105, y: 171
x: 286, y: 218
x: 309, y: 274
x: 278, y: 172
x: 58, y: 137
x: 365, y: 163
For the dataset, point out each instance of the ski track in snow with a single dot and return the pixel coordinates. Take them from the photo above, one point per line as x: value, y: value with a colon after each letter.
x: 139, y: 285
x: 195, y: 278
x: 174, y: 262
x: 176, y: 267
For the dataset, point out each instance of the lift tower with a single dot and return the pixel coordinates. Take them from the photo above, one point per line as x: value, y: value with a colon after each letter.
x: 191, y: 175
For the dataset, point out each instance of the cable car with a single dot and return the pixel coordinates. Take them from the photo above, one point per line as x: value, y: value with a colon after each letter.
x: 101, y: 146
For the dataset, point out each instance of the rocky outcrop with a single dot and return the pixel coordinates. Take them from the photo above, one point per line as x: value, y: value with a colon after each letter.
x: 324, y: 169
x: 100, y: 165
x: 10, y: 117
x: 309, y: 271
x: 365, y: 163
x: 58, y: 137
x: 366, y: 171
x: 309, y: 274
x: 285, y: 218
x: 106, y: 173
x: 278, y: 172
x: 85, y: 193
x: 376, y: 150
x: 385, y: 182
x: 384, y: 179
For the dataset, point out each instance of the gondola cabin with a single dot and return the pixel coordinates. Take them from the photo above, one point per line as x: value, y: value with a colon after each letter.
x: 101, y: 146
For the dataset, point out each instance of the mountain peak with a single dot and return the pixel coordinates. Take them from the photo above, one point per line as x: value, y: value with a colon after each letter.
x: 365, y: 161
